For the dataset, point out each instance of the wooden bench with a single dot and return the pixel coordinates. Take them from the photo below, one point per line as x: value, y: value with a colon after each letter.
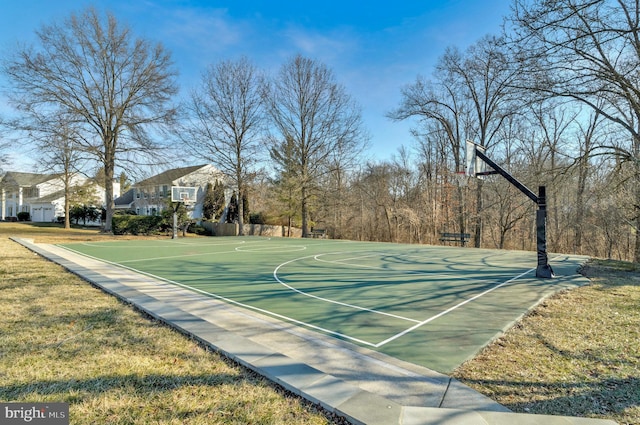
x: 462, y: 238
x: 318, y: 233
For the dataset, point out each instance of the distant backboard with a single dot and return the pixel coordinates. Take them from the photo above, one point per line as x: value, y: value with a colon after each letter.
x: 474, y: 166
x: 184, y: 194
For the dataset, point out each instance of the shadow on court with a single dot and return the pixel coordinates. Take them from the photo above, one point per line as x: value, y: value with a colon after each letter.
x: 428, y: 305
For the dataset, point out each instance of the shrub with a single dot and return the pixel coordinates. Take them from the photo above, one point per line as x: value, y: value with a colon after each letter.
x: 198, y: 230
x: 258, y: 218
x: 137, y: 224
x: 24, y: 216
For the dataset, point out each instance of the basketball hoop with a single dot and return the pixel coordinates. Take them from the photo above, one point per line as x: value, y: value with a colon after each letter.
x: 461, y: 178
x: 182, y: 195
x: 186, y: 195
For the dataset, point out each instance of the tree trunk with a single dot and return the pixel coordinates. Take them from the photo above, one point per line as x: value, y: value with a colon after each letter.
x: 461, y: 210
x: 478, y: 229
x: 240, y: 207
x: 67, y: 219
x: 109, y: 166
x: 636, y: 209
x: 304, y: 212
x: 582, y: 185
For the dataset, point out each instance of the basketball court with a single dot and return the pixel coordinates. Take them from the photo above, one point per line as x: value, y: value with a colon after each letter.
x: 432, y: 306
x: 349, y: 326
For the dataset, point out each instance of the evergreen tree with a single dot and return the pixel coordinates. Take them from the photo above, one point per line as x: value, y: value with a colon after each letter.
x: 245, y: 208
x: 209, y: 203
x: 218, y: 199
x: 232, y: 215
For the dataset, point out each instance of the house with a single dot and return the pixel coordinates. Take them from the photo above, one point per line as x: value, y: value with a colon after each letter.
x: 41, y: 195
x: 153, y: 195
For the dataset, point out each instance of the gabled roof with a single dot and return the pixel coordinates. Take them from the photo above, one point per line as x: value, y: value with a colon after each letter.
x: 49, y: 198
x: 125, y: 200
x: 169, y: 176
x: 15, y: 178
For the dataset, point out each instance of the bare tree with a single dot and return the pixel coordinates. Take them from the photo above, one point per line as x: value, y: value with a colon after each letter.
x: 317, y: 122
x: 588, y: 51
x: 485, y: 74
x: 59, y: 153
x: 112, y: 88
x: 225, y: 122
x: 4, y: 143
x: 443, y: 113
x: 587, y: 136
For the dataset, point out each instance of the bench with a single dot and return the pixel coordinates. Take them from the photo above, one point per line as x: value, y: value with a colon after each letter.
x: 318, y: 233
x: 455, y: 237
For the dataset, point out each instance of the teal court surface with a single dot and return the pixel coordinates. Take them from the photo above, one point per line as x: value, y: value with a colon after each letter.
x: 432, y: 306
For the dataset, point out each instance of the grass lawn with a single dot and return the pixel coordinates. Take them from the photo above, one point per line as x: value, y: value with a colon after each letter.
x: 577, y: 354
x: 63, y: 340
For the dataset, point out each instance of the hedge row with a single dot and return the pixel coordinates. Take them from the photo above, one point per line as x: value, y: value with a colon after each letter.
x: 139, y: 224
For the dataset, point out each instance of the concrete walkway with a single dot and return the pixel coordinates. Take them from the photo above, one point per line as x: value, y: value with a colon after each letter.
x: 361, y: 385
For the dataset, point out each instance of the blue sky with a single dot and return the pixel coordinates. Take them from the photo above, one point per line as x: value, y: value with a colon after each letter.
x: 374, y: 47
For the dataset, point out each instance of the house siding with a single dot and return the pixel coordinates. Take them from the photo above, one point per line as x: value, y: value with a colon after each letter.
x: 41, y: 195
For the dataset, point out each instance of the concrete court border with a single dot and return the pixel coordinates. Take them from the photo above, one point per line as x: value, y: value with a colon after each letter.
x: 363, y: 386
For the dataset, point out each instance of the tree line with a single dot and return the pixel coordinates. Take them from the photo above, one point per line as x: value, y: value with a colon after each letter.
x: 554, y: 99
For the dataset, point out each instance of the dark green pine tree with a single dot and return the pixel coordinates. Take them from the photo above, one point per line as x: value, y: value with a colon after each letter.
x: 218, y: 197
x: 208, y: 204
x: 232, y: 215
x: 245, y: 208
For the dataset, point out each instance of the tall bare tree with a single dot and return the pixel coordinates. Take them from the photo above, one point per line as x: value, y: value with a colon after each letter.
x: 485, y: 74
x: 317, y: 125
x: 225, y: 122
x: 443, y: 113
x: 113, y: 89
x: 588, y: 51
x: 58, y: 153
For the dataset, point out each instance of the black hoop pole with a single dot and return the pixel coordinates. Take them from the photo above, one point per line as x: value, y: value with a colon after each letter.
x: 543, y: 270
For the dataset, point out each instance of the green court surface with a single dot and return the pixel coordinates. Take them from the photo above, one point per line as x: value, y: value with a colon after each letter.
x: 430, y: 305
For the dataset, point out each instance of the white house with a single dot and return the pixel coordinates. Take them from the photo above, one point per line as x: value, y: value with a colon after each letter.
x: 151, y: 196
x: 40, y: 195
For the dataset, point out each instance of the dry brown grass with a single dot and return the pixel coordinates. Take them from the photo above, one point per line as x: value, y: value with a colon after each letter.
x: 576, y: 354
x: 64, y: 340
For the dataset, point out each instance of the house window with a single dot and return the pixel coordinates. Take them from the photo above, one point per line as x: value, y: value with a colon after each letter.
x: 30, y: 192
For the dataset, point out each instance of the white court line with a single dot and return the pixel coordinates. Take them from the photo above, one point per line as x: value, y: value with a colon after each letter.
x: 449, y: 275
x: 111, y: 244
x: 449, y: 310
x: 220, y: 297
x: 417, y: 325
x: 175, y: 256
x: 356, y: 307
x: 243, y: 243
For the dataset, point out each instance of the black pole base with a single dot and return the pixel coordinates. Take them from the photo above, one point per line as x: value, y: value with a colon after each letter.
x: 544, y: 271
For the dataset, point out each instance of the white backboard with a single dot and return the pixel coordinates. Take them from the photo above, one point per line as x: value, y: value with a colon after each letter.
x: 184, y: 194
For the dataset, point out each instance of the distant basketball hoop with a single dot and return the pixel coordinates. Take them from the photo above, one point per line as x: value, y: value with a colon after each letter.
x: 473, y: 166
x: 461, y: 178
x: 182, y: 195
